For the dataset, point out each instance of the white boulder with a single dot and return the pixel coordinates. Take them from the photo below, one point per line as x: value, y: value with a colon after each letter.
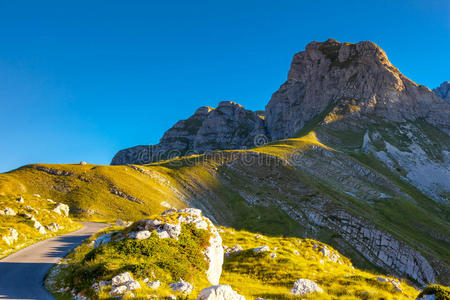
x: 121, y: 279
x: 123, y: 283
x: 9, y: 212
x: 102, y: 240
x: 54, y: 227
x: 219, y: 292
x: 61, y: 209
x: 182, y: 287
x: 173, y: 230
x: 154, y: 284
x: 38, y: 226
x: 261, y: 249
x: 140, y: 235
x: 11, y: 237
x: 302, y: 287
x: 31, y: 209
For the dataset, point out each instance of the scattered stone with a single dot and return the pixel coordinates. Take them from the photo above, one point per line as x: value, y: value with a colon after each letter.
x: 118, y: 290
x: 121, y: 278
x: 20, y: 200
x: 54, y: 227
x: 172, y: 230
x: 154, y: 284
x: 51, y: 201
x: 296, y: 252
x: 273, y: 255
x: 182, y: 287
x: 122, y: 283
x: 163, y: 234
x: 102, y: 240
x: 369, y: 293
x: 62, y: 209
x: 37, y: 195
x: 29, y: 208
x: 219, y: 292
x: 382, y: 279
x: 302, y: 287
x: 233, y: 250
x: 165, y: 204
x: 140, y: 235
x: 261, y: 249
x: 98, y: 286
x: 83, y: 163
x: 9, y: 212
x: 39, y: 226
x: 11, y: 237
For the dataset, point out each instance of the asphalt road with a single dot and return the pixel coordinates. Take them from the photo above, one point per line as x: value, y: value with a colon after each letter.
x: 22, y: 273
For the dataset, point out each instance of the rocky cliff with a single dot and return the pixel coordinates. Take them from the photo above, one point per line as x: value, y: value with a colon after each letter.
x: 229, y: 126
x: 357, y: 78
x: 351, y: 96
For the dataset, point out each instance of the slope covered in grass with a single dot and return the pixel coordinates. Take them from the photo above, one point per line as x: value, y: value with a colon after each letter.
x: 267, y: 274
x: 27, y: 219
x: 302, y: 187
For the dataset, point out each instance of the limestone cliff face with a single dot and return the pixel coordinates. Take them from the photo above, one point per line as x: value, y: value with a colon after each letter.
x: 443, y: 91
x: 229, y: 126
x: 359, y: 75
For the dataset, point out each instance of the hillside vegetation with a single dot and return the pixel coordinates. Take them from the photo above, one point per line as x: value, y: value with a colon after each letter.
x: 294, y: 187
x: 266, y: 274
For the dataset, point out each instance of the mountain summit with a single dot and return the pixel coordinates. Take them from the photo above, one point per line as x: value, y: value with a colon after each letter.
x: 355, y: 80
x: 352, y: 80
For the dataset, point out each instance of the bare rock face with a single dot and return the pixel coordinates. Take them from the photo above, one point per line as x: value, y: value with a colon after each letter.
x: 357, y: 76
x: 229, y: 126
x: 443, y: 91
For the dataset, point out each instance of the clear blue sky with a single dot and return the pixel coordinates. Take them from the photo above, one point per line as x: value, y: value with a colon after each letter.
x: 80, y: 80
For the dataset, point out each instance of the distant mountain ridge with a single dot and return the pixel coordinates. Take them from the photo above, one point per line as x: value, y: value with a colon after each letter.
x: 229, y: 126
x: 330, y: 75
x: 347, y: 89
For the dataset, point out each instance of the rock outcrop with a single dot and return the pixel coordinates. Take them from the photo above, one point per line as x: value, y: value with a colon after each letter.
x: 443, y: 91
x: 219, y: 292
x: 303, y: 287
x: 357, y: 81
x: 229, y: 126
x: 355, y: 77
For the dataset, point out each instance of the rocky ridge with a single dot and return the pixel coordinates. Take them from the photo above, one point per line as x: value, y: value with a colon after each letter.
x: 356, y: 79
x: 335, y: 89
x: 229, y: 126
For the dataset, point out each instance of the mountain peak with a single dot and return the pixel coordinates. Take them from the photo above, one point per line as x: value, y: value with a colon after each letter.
x: 329, y: 74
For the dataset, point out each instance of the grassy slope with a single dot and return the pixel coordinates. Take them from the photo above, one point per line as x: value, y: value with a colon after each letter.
x: 217, y: 184
x: 27, y: 233
x: 251, y: 274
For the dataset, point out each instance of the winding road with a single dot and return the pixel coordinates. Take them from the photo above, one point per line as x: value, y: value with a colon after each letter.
x: 22, y: 273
